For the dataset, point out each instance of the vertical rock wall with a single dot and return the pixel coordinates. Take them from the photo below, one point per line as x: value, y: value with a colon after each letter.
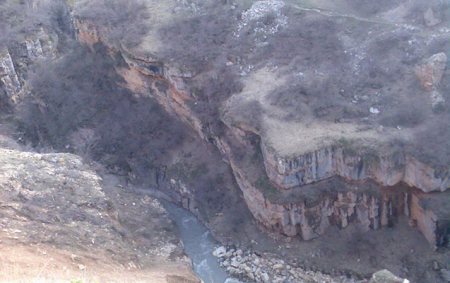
x: 386, y: 169
x: 290, y: 212
x: 8, y: 76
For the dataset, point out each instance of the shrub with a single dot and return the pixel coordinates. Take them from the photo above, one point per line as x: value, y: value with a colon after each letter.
x: 408, y: 113
x: 76, y: 101
x: 432, y: 144
x: 126, y: 21
x: 20, y: 19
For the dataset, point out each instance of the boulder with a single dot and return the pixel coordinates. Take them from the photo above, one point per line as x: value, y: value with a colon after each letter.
x: 431, y: 71
x: 385, y: 276
x: 430, y: 18
x: 220, y: 251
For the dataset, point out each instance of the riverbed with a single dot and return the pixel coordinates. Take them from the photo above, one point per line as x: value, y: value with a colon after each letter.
x: 198, y: 245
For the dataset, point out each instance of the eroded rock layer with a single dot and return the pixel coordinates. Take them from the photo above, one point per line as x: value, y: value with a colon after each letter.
x: 386, y: 169
x: 304, y: 200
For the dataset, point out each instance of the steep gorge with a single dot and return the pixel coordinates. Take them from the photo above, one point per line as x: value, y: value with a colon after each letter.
x: 316, y: 189
x: 331, y: 171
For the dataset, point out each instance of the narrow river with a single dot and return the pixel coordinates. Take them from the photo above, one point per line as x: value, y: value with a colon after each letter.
x: 198, y: 245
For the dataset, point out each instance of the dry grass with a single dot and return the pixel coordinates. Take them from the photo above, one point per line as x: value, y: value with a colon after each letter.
x: 291, y: 138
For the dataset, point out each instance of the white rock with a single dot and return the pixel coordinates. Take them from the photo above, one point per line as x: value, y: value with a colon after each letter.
x: 220, y: 251
x: 374, y: 110
x: 265, y: 277
x: 234, y: 263
x: 277, y: 266
x: 228, y: 254
x: 436, y: 99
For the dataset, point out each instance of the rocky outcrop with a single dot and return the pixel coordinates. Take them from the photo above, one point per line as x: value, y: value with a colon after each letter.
x: 385, y: 276
x: 431, y: 71
x: 430, y: 74
x: 166, y: 83
x: 146, y: 73
x: 15, y: 59
x: 385, y: 169
x: 290, y: 210
x: 430, y: 18
x: 86, y: 225
x: 8, y: 76
x: 310, y: 210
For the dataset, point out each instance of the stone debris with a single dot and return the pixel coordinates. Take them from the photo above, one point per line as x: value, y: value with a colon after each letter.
x: 258, y: 12
x: 250, y: 267
x: 219, y: 252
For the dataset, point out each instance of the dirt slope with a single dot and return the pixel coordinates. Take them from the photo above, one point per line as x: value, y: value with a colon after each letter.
x: 61, y: 221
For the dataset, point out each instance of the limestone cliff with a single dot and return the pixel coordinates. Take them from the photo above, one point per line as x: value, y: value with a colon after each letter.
x: 9, y: 79
x: 301, y: 158
x: 16, y: 59
x: 387, y: 169
x: 308, y: 218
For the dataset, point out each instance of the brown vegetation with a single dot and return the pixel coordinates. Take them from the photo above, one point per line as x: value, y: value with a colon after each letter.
x: 80, y: 91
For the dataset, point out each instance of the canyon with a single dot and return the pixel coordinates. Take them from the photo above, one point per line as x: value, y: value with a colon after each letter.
x: 300, y: 178
x: 291, y: 173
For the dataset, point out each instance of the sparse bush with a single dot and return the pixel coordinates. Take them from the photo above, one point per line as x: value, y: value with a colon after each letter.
x: 126, y: 21
x: 309, y: 41
x: 293, y: 99
x: 52, y: 15
x: 305, y: 99
x: 198, y: 42
x: 76, y: 101
x: 21, y: 19
x: 409, y: 113
x: 205, y: 42
x: 12, y: 18
x: 251, y: 113
x: 84, y: 140
x: 432, y: 143
x: 66, y: 95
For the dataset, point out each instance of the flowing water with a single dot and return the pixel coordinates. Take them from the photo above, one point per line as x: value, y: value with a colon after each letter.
x: 198, y: 245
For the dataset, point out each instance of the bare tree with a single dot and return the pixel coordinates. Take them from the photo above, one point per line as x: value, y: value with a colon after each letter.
x: 12, y: 16
x: 126, y: 21
x: 84, y: 141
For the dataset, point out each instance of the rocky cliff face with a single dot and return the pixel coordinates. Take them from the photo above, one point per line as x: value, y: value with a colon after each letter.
x: 305, y: 216
x: 370, y: 205
x: 8, y: 75
x: 15, y: 60
x: 385, y: 169
x: 311, y: 210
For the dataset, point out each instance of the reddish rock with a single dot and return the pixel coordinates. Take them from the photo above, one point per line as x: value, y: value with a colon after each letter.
x: 431, y: 71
